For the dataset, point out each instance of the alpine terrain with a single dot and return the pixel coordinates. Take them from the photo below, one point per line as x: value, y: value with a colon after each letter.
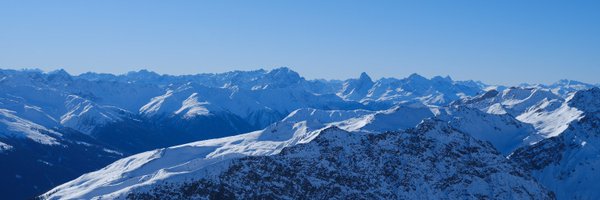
x: 272, y: 134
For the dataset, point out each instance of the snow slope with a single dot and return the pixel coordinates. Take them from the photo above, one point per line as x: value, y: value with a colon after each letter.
x: 171, y: 163
x: 568, y: 163
x: 323, y: 158
x: 180, y: 163
x: 301, y: 126
x: 503, y: 131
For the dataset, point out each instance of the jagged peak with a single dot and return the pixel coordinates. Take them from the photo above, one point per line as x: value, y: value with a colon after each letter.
x: 365, y: 77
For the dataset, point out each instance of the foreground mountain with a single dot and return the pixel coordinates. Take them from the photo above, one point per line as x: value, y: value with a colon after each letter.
x: 329, y: 163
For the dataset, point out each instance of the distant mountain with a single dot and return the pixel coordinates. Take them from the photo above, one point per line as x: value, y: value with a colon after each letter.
x: 564, y: 87
x: 435, y: 91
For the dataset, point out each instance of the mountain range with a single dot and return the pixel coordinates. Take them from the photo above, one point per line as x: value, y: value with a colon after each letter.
x: 274, y: 134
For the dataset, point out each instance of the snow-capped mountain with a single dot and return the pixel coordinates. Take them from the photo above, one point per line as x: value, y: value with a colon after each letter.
x: 435, y: 91
x: 568, y: 163
x: 356, y: 89
x: 75, y: 124
x: 546, y: 111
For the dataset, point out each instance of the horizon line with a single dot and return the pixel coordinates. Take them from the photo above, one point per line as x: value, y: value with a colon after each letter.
x: 36, y: 69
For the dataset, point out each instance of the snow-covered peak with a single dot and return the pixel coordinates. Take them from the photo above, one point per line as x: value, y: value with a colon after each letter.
x: 356, y: 89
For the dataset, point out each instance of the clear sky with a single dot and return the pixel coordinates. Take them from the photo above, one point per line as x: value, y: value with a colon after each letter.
x: 498, y: 42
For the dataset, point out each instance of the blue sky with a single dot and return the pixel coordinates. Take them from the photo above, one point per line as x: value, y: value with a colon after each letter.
x: 499, y: 42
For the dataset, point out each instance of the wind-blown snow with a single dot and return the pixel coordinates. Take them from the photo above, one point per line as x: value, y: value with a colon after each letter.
x: 191, y: 107
x: 550, y: 123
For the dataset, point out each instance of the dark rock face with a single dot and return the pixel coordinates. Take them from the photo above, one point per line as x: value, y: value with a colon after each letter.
x: 540, y: 155
x: 432, y: 161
